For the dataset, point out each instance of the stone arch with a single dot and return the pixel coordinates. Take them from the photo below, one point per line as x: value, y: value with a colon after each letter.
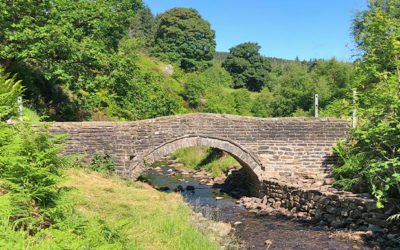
x: 253, y: 166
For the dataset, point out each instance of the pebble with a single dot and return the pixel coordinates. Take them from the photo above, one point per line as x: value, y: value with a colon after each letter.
x: 219, y: 198
x: 237, y: 223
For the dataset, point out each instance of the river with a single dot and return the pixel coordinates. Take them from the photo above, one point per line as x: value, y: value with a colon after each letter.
x: 251, y: 230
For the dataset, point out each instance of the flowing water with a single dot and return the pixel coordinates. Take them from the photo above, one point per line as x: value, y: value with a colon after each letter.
x: 254, y: 229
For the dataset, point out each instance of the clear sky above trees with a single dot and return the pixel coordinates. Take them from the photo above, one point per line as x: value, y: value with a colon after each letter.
x: 283, y: 28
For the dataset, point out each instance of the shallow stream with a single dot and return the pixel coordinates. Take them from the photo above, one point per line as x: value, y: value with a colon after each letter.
x: 254, y: 230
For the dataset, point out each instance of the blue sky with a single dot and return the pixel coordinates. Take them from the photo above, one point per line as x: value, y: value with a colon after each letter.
x: 283, y: 28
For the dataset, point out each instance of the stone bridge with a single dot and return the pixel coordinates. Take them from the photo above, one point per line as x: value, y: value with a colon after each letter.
x: 284, y: 149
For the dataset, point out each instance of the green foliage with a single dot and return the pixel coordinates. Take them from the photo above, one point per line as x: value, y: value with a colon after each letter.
x: 194, y: 89
x: 185, y: 38
x: 341, y: 108
x: 217, y: 162
x: 197, y: 84
x: 292, y: 89
x: 247, y: 67
x: 371, y: 156
x: 86, y: 60
x: 10, y: 89
x: 74, y: 231
x: 243, y: 102
x: 262, y: 104
x: 143, y: 27
x: 30, y: 171
x: 219, y: 102
x: 102, y: 163
x: 29, y: 162
x: 213, y: 160
x: 30, y: 115
x: 190, y: 156
x: 75, y: 61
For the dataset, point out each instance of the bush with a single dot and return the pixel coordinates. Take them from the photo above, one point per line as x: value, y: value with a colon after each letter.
x: 102, y: 163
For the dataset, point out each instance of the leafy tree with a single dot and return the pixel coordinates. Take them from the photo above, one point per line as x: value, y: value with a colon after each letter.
x: 63, y: 46
x: 284, y: 101
x: 193, y: 91
x: 262, y: 104
x: 185, y: 38
x: 332, y: 79
x: 242, y: 102
x: 247, y: 67
x: 143, y: 26
x: 218, y: 102
x: 197, y: 84
x: 75, y: 60
x: 370, y: 158
x: 292, y: 89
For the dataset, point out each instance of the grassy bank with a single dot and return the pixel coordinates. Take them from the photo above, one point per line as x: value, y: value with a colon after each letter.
x: 105, y: 212
x: 153, y: 220
x: 212, y: 160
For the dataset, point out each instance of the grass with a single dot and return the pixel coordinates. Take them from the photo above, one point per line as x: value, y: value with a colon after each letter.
x: 30, y: 115
x: 214, y: 161
x: 221, y: 165
x: 155, y: 220
x: 191, y: 157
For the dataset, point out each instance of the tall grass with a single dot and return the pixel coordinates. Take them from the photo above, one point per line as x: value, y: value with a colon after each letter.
x: 191, y: 156
x: 212, y: 160
x: 155, y: 220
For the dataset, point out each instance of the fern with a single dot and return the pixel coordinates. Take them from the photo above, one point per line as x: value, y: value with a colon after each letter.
x: 394, y: 217
x: 10, y: 89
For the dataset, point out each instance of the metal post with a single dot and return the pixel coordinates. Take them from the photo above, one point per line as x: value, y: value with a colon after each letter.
x: 316, y: 105
x: 354, y: 108
x: 19, y: 101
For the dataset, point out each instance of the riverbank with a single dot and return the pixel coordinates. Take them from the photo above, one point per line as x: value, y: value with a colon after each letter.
x: 151, y: 219
x: 334, y: 210
x: 252, y: 230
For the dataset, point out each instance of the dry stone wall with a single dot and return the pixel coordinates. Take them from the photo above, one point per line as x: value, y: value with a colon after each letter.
x: 331, y: 207
x: 289, y: 149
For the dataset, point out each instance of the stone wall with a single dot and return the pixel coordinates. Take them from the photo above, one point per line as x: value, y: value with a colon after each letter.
x: 290, y: 149
x: 334, y: 208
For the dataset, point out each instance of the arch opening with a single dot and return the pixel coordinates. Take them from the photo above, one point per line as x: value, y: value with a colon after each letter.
x: 248, y: 161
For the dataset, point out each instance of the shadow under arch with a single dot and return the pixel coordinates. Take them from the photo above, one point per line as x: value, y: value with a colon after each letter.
x: 250, y: 163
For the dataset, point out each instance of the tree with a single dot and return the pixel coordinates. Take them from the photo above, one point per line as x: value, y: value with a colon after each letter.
x: 262, y: 104
x: 242, y: 102
x: 185, y: 38
x: 143, y: 27
x: 247, y: 67
x: 370, y: 158
x: 293, y: 89
x: 76, y: 61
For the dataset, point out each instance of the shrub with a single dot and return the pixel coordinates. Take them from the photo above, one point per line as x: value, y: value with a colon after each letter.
x: 102, y: 163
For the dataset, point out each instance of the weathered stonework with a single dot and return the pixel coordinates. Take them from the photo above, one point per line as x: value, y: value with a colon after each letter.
x: 335, y: 208
x: 288, y: 149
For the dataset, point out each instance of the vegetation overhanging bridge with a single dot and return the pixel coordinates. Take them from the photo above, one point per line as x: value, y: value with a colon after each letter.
x: 285, y: 149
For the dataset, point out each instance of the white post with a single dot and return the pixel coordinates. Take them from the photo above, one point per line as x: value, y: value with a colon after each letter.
x: 316, y: 105
x: 19, y: 101
x: 354, y: 109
